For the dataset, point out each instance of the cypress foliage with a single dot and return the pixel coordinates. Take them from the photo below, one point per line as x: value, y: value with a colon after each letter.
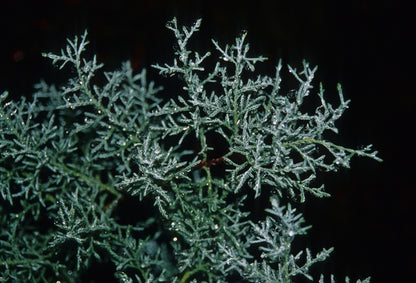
x: 74, y: 156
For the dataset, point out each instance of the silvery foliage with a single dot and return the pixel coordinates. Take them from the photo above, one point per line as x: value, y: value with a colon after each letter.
x: 282, y: 146
x: 71, y: 156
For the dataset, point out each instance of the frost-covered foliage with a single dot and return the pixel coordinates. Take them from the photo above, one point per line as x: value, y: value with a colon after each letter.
x: 71, y: 156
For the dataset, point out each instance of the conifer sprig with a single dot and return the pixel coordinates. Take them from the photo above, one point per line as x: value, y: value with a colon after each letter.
x: 72, y: 155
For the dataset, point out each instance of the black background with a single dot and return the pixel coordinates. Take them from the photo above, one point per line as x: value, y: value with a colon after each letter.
x: 365, y: 45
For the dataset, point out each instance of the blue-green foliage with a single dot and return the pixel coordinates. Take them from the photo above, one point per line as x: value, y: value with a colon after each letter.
x: 71, y: 155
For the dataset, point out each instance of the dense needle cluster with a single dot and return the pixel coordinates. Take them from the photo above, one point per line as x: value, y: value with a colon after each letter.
x: 71, y: 156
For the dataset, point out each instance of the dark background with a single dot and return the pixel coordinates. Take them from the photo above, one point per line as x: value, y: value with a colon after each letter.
x: 364, y: 45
